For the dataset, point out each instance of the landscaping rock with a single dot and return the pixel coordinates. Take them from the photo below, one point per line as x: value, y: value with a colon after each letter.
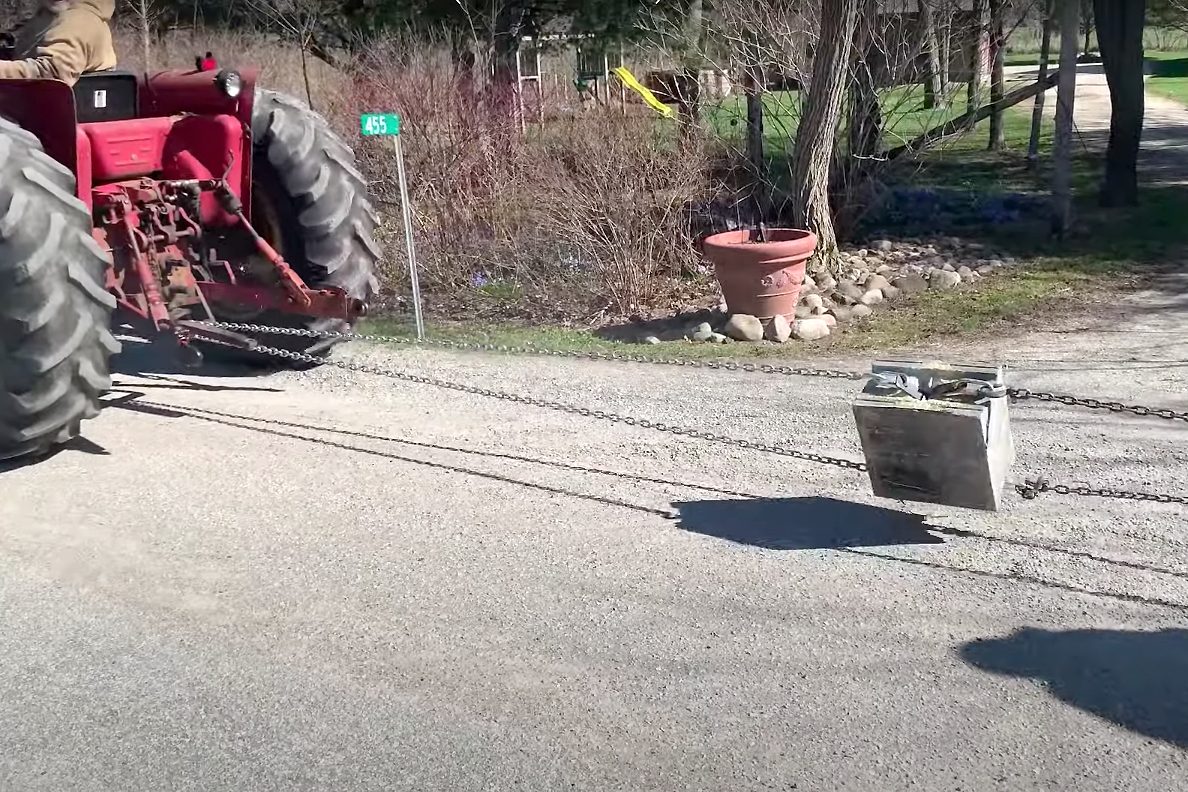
x: 861, y: 311
x: 943, y: 279
x: 883, y: 269
x: 703, y: 332
x: 811, y: 329
x: 876, y: 282
x: 882, y: 245
x: 826, y: 282
x: 850, y: 290
x: 718, y: 338
x: 778, y: 329
x: 985, y: 269
x: 651, y: 340
x: 813, y: 301
x: 803, y: 312
x: 841, y: 313
x: 872, y: 297
x: 744, y: 327
x: 949, y: 267
x: 965, y: 272
x: 890, y: 292
x: 911, y: 284
x: 809, y: 284
x: 830, y: 320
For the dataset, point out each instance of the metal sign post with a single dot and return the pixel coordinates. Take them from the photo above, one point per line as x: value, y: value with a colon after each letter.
x: 388, y: 125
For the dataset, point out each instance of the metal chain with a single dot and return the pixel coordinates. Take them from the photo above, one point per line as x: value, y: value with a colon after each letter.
x: 565, y: 408
x: 719, y: 365
x: 1023, y: 394
x: 1033, y: 488
x: 1019, y: 394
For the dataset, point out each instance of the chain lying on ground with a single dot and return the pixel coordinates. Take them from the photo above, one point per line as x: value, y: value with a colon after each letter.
x: 562, y: 407
x: 1033, y: 488
x: 1019, y: 394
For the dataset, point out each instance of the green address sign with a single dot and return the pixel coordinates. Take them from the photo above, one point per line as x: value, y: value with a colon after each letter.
x: 379, y: 124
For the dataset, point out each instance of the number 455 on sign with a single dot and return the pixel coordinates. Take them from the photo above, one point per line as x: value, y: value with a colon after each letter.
x: 379, y: 124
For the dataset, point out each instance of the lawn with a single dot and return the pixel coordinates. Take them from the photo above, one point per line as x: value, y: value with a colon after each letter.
x: 1169, y: 76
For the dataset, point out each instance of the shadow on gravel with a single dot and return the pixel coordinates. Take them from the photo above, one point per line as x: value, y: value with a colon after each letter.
x: 1138, y: 680
x: 846, y: 526
x: 79, y: 445
x: 804, y: 523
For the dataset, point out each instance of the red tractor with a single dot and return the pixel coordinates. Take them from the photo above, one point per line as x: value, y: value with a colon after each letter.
x: 164, y: 203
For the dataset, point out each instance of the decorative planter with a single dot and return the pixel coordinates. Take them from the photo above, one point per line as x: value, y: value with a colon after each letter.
x: 761, y: 278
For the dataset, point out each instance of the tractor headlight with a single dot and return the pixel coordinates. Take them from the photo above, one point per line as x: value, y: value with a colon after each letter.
x: 230, y: 83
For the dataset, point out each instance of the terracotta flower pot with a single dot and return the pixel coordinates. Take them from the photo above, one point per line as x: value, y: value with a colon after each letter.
x: 761, y: 278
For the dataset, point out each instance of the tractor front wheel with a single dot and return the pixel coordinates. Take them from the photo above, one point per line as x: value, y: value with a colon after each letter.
x: 55, y: 314
x: 310, y: 200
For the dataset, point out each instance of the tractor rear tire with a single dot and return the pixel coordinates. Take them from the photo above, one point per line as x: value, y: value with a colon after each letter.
x: 55, y: 313
x: 320, y: 199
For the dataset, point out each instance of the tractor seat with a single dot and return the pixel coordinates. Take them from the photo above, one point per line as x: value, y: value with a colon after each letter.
x: 111, y: 95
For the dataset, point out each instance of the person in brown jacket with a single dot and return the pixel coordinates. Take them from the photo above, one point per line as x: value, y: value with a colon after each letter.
x: 64, y: 40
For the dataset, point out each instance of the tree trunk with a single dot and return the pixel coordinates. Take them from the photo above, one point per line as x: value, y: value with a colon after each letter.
x: 816, y: 136
x: 509, y: 23
x: 1087, y: 24
x: 689, y: 84
x: 1120, y: 39
x: 1037, y: 112
x: 997, y: 76
x: 754, y: 86
x: 866, y: 116
x: 1070, y: 18
x: 144, y: 19
x: 946, y: 48
x: 930, y: 48
x: 977, y: 73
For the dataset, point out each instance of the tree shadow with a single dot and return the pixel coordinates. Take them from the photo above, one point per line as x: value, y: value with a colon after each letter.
x: 1138, y: 680
x: 812, y: 523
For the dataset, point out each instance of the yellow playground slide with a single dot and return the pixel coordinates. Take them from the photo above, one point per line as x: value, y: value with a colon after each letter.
x: 650, y: 98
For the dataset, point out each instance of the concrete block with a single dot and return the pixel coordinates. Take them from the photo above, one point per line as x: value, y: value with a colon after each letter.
x: 954, y: 450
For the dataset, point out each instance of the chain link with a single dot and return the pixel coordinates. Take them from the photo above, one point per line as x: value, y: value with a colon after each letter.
x: 1023, y: 394
x: 565, y: 408
x: 1030, y: 490
x: 471, y: 346
x: 1033, y: 488
x: 1019, y: 394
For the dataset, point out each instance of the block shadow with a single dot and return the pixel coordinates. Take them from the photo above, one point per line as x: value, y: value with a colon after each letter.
x: 811, y: 523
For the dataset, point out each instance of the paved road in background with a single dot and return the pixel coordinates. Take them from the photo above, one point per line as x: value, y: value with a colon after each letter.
x: 409, y: 588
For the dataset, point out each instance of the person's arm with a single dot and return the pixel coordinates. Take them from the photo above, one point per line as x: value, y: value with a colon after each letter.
x: 62, y: 55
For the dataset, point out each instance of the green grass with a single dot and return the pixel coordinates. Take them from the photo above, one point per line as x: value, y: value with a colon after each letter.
x: 1169, y: 77
x: 903, y: 110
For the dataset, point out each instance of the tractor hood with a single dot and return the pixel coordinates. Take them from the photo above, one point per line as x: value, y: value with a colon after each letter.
x: 104, y: 9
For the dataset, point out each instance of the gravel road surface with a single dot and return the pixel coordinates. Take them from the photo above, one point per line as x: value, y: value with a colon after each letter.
x: 404, y: 588
x: 409, y: 588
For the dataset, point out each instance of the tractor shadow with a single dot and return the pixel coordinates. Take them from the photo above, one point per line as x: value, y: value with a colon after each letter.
x: 812, y: 523
x: 79, y: 445
x: 1133, y: 678
x: 161, y: 366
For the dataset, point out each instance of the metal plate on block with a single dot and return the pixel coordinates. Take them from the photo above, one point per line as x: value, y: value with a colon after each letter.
x: 954, y: 450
